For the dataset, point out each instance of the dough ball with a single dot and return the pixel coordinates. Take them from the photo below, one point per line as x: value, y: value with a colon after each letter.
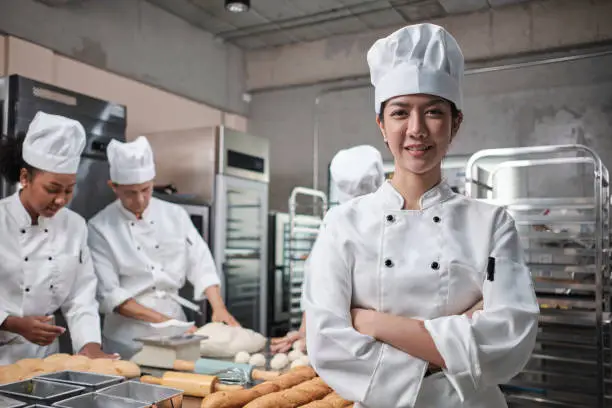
x: 76, y: 363
x: 127, y: 369
x: 242, y: 357
x: 295, y: 355
x: 257, y: 360
x: 225, y: 341
x: 298, y: 363
x: 279, y: 361
x: 299, y: 345
x: 30, y: 364
x: 11, y: 373
x: 57, y: 358
x: 305, y: 360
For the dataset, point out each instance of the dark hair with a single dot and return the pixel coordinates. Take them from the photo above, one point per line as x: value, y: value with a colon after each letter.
x: 11, y: 160
x: 454, y: 111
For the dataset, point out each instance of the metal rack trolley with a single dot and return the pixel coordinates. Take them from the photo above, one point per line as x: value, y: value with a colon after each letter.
x: 568, y: 254
x: 303, y: 231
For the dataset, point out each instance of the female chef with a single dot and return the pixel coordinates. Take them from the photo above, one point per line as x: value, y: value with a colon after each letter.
x: 390, y: 271
x: 44, y: 260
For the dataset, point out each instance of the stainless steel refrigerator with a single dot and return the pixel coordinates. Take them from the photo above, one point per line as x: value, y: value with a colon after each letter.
x: 229, y: 170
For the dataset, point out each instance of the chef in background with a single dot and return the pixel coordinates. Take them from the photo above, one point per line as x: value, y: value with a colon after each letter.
x: 355, y: 171
x: 143, y: 250
x: 391, y: 271
x: 44, y: 260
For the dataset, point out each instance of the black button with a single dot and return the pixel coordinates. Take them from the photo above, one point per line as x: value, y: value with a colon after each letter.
x: 26, y: 259
x: 153, y: 288
x: 435, y: 266
x: 388, y: 263
x: 46, y: 230
x: 152, y: 267
x: 390, y: 218
x: 51, y: 287
x: 132, y: 224
x: 27, y: 289
x: 50, y: 258
x: 436, y: 219
x: 156, y: 246
x: 152, y: 222
x: 23, y: 231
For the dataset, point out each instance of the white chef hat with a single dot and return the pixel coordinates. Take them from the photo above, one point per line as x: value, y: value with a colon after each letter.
x: 131, y: 163
x: 54, y: 143
x: 357, y: 171
x: 417, y: 59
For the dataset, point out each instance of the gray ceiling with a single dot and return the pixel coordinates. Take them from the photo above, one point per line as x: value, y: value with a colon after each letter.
x: 271, y: 23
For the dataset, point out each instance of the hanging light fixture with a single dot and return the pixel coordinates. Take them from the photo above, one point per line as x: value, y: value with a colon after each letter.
x: 237, y: 6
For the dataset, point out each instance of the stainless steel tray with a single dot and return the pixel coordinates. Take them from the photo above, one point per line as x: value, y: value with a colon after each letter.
x: 90, y: 381
x: 95, y: 400
x: 6, y: 402
x: 162, y: 397
x: 36, y: 391
x: 38, y: 406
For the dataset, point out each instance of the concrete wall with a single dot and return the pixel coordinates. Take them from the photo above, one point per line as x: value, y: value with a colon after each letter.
x: 136, y: 40
x: 524, y: 28
x: 568, y: 102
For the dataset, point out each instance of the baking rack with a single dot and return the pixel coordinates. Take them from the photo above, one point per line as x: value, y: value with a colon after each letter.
x: 567, y: 247
x: 304, y: 223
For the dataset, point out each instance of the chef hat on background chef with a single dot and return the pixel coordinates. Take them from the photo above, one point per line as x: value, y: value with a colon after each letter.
x: 131, y: 163
x: 417, y: 59
x: 357, y: 171
x: 54, y: 143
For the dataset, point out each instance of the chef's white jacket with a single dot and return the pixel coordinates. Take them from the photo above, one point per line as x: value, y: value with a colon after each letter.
x: 428, y: 264
x: 147, y: 259
x: 44, y: 268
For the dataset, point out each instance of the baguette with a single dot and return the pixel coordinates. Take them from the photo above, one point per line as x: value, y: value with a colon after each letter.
x: 336, y: 401
x: 294, y: 397
x: 240, y: 398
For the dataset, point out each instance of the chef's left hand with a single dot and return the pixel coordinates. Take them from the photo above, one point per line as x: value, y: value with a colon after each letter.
x: 363, y: 321
x: 93, y: 350
x: 223, y: 316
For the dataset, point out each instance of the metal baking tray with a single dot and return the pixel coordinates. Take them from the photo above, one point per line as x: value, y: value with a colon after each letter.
x: 95, y: 400
x: 6, y: 402
x: 38, y: 406
x: 37, y: 391
x: 90, y: 381
x: 162, y: 397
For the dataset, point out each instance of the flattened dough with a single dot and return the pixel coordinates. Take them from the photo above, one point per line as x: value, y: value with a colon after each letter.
x: 225, y: 341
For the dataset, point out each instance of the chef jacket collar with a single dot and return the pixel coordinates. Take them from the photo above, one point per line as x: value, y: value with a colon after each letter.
x: 146, y: 215
x: 436, y: 195
x: 21, y: 215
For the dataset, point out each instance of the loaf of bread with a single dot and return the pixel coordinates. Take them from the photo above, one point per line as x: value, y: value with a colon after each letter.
x: 76, y: 363
x: 336, y: 401
x: 127, y: 369
x: 11, y: 373
x: 240, y: 398
x: 59, y: 358
x: 301, y: 394
x: 102, y: 366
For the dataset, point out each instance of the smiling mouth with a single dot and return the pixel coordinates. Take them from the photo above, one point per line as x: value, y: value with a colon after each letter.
x: 418, y: 148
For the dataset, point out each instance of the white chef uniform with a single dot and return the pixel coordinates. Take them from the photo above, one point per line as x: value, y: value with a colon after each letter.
x: 428, y: 264
x: 47, y: 266
x: 146, y: 259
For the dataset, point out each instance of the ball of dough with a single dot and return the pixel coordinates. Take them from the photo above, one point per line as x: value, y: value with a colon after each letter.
x: 242, y: 357
x: 257, y: 360
x: 127, y: 369
x: 299, y: 345
x: 298, y: 363
x: 304, y: 359
x: 295, y: 355
x: 279, y: 361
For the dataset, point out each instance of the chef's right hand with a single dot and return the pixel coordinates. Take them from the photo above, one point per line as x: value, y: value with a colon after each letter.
x: 35, y: 329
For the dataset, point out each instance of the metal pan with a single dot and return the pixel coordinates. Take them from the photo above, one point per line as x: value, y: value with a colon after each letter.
x: 95, y: 400
x: 90, y: 381
x: 36, y: 391
x: 6, y: 402
x: 162, y: 397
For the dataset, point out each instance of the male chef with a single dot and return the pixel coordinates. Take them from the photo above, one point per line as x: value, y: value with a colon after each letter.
x: 143, y: 249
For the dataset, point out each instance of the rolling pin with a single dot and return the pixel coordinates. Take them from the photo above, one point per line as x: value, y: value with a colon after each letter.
x: 193, y: 385
x: 210, y: 367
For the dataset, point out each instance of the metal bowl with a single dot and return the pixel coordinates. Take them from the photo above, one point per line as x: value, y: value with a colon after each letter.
x: 90, y: 381
x: 35, y: 391
x: 162, y: 397
x: 95, y: 400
